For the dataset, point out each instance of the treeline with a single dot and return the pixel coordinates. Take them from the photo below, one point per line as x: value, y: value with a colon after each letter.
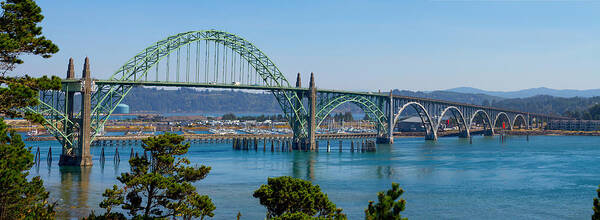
x: 142, y: 99
x: 548, y: 104
x: 592, y: 113
x: 469, y: 98
x: 231, y: 116
x: 192, y: 100
x: 347, y: 116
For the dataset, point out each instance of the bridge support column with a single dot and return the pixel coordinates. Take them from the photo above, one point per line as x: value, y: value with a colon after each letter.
x: 81, y: 155
x: 389, y: 137
x: 488, y: 132
x: 465, y: 133
x: 69, y: 108
x: 431, y: 136
x: 312, y: 124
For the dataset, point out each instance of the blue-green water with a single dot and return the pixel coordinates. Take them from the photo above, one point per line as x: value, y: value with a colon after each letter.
x: 547, y: 177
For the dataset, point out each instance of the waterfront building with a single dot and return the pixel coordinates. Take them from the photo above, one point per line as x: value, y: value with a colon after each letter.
x: 122, y: 109
x: 574, y: 125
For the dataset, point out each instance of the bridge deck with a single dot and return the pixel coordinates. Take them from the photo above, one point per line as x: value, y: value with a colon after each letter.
x: 271, y: 88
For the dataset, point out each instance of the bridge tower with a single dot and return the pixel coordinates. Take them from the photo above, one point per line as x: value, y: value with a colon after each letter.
x: 69, y: 99
x: 389, y: 137
x: 80, y: 154
x: 312, y: 101
x: 297, y: 126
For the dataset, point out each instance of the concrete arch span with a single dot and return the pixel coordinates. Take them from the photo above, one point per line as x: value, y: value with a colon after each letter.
x: 426, y: 119
x: 503, y: 115
x: 458, y: 115
x: 522, y: 120
x: 369, y: 107
x: 487, y: 121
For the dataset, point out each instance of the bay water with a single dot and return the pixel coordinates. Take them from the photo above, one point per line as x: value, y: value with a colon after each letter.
x: 540, y: 177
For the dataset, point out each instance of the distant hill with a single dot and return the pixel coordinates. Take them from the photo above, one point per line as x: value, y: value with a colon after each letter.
x: 565, y: 93
x: 227, y: 101
x: 548, y: 104
x: 471, y: 98
x: 224, y: 101
x: 142, y: 99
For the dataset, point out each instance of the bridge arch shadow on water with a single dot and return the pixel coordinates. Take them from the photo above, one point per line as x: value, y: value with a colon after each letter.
x: 217, y: 59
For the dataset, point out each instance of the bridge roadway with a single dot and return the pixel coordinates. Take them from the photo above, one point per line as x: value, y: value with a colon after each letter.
x: 298, y: 89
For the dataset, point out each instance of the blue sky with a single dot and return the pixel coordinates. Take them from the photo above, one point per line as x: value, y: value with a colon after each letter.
x: 353, y: 45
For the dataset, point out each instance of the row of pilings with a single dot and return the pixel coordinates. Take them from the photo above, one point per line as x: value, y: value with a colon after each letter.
x: 116, y: 157
x: 287, y: 145
x: 128, y: 142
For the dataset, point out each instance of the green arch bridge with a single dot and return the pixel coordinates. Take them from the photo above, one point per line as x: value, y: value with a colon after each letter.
x: 217, y: 59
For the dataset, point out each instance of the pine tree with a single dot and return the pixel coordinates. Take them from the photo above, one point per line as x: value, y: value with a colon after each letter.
x: 159, y: 186
x: 292, y: 198
x: 21, y: 198
x: 387, y: 208
x: 20, y: 34
x: 596, y: 215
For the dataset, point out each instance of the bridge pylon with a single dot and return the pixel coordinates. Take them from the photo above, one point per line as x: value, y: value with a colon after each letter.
x: 388, y: 138
x: 307, y: 141
x: 79, y: 154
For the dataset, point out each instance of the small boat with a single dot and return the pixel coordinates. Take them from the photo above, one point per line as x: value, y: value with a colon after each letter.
x: 33, y: 133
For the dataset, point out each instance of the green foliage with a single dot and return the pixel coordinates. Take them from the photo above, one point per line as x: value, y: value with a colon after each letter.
x: 160, y: 187
x: 106, y: 216
x: 229, y: 116
x: 347, y: 116
x: 292, y: 198
x: 20, y: 92
x: 193, y: 100
x: 596, y: 215
x: 592, y: 113
x: 20, y: 198
x: 549, y: 104
x: 114, y: 197
x: 387, y: 207
x: 19, y: 33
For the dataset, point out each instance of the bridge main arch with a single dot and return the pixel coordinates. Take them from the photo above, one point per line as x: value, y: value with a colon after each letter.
x: 221, y: 43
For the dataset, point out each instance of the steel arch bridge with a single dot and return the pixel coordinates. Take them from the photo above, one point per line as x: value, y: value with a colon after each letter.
x: 217, y: 59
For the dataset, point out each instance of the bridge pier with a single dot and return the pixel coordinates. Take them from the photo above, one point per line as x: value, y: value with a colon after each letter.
x: 309, y: 142
x: 312, y: 101
x: 80, y: 155
x: 69, y: 108
x: 464, y: 134
x: 431, y: 136
x: 389, y: 137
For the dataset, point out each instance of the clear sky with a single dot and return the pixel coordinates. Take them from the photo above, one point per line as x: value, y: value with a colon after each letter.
x: 353, y: 45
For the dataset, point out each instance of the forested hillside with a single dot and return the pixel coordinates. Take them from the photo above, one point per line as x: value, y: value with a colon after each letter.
x: 191, y: 100
x: 475, y: 99
x: 223, y: 101
x: 548, y: 104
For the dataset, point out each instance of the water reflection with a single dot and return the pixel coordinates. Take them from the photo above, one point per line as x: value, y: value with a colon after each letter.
x: 304, y: 161
x: 384, y: 155
x: 74, y: 191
